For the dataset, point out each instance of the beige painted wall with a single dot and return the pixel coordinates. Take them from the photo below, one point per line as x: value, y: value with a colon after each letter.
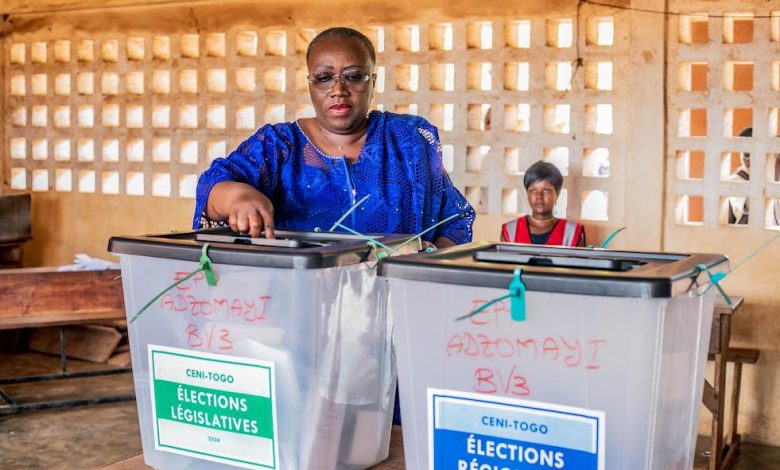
x: 755, y: 326
x: 71, y: 223
x: 66, y: 224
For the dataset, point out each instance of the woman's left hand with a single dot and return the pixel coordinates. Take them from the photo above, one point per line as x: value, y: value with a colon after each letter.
x: 443, y: 242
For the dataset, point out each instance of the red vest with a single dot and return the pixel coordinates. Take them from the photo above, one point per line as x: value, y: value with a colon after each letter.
x: 564, y: 233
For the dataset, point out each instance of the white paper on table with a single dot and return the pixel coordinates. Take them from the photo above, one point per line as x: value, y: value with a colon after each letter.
x: 84, y: 262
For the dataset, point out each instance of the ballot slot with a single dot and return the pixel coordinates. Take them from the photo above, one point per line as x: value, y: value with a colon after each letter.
x: 537, y: 258
x: 282, y: 239
x: 246, y: 239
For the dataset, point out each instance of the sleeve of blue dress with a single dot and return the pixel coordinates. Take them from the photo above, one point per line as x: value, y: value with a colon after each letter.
x: 255, y: 162
x: 452, y: 201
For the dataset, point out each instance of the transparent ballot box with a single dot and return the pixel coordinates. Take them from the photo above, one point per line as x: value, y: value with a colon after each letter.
x: 281, y: 359
x: 593, y: 359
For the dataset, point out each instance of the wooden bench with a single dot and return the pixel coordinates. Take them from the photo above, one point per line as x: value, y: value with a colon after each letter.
x: 724, y: 451
x: 44, y: 297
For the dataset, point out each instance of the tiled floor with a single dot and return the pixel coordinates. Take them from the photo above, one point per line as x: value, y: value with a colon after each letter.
x: 77, y: 438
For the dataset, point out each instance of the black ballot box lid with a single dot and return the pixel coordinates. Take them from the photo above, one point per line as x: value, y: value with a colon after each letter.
x: 559, y: 269
x: 290, y: 249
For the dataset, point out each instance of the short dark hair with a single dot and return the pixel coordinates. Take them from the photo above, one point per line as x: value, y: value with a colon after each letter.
x: 343, y: 33
x: 543, y: 171
x: 746, y: 132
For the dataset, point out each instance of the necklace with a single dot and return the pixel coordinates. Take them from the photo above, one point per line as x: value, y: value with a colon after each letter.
x: 330, y: 142
x: 339, y: 146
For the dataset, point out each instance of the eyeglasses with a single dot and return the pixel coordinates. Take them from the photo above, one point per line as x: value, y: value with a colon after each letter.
x: 354, y: 81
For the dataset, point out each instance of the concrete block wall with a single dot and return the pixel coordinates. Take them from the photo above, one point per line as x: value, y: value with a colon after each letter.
x: 736, y: 46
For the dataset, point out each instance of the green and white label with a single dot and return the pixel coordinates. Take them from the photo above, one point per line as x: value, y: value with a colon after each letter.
x: 214, y: 407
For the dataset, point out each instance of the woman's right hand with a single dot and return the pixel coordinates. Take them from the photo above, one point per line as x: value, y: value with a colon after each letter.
x: 245, y: 208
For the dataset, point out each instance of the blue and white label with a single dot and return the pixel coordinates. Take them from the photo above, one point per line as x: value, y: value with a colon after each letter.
x: 469, y: 431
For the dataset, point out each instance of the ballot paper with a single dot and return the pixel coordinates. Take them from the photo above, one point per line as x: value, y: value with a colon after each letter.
x: 84, y: 262
x: 352, y: 344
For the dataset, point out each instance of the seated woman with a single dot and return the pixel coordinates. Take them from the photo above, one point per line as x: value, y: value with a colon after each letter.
x: 543, y: 183
x: 739, y: 207
x: 306, y: 174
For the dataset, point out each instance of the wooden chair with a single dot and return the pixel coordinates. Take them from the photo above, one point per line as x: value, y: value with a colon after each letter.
x: 15, y: 223
x: 723, y: 452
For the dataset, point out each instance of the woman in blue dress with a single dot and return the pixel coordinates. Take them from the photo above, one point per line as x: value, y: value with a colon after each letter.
x: 306, y: 174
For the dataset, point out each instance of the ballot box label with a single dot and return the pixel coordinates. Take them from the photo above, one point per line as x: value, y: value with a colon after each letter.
x: 214, y: 407
x: 469, y: 431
